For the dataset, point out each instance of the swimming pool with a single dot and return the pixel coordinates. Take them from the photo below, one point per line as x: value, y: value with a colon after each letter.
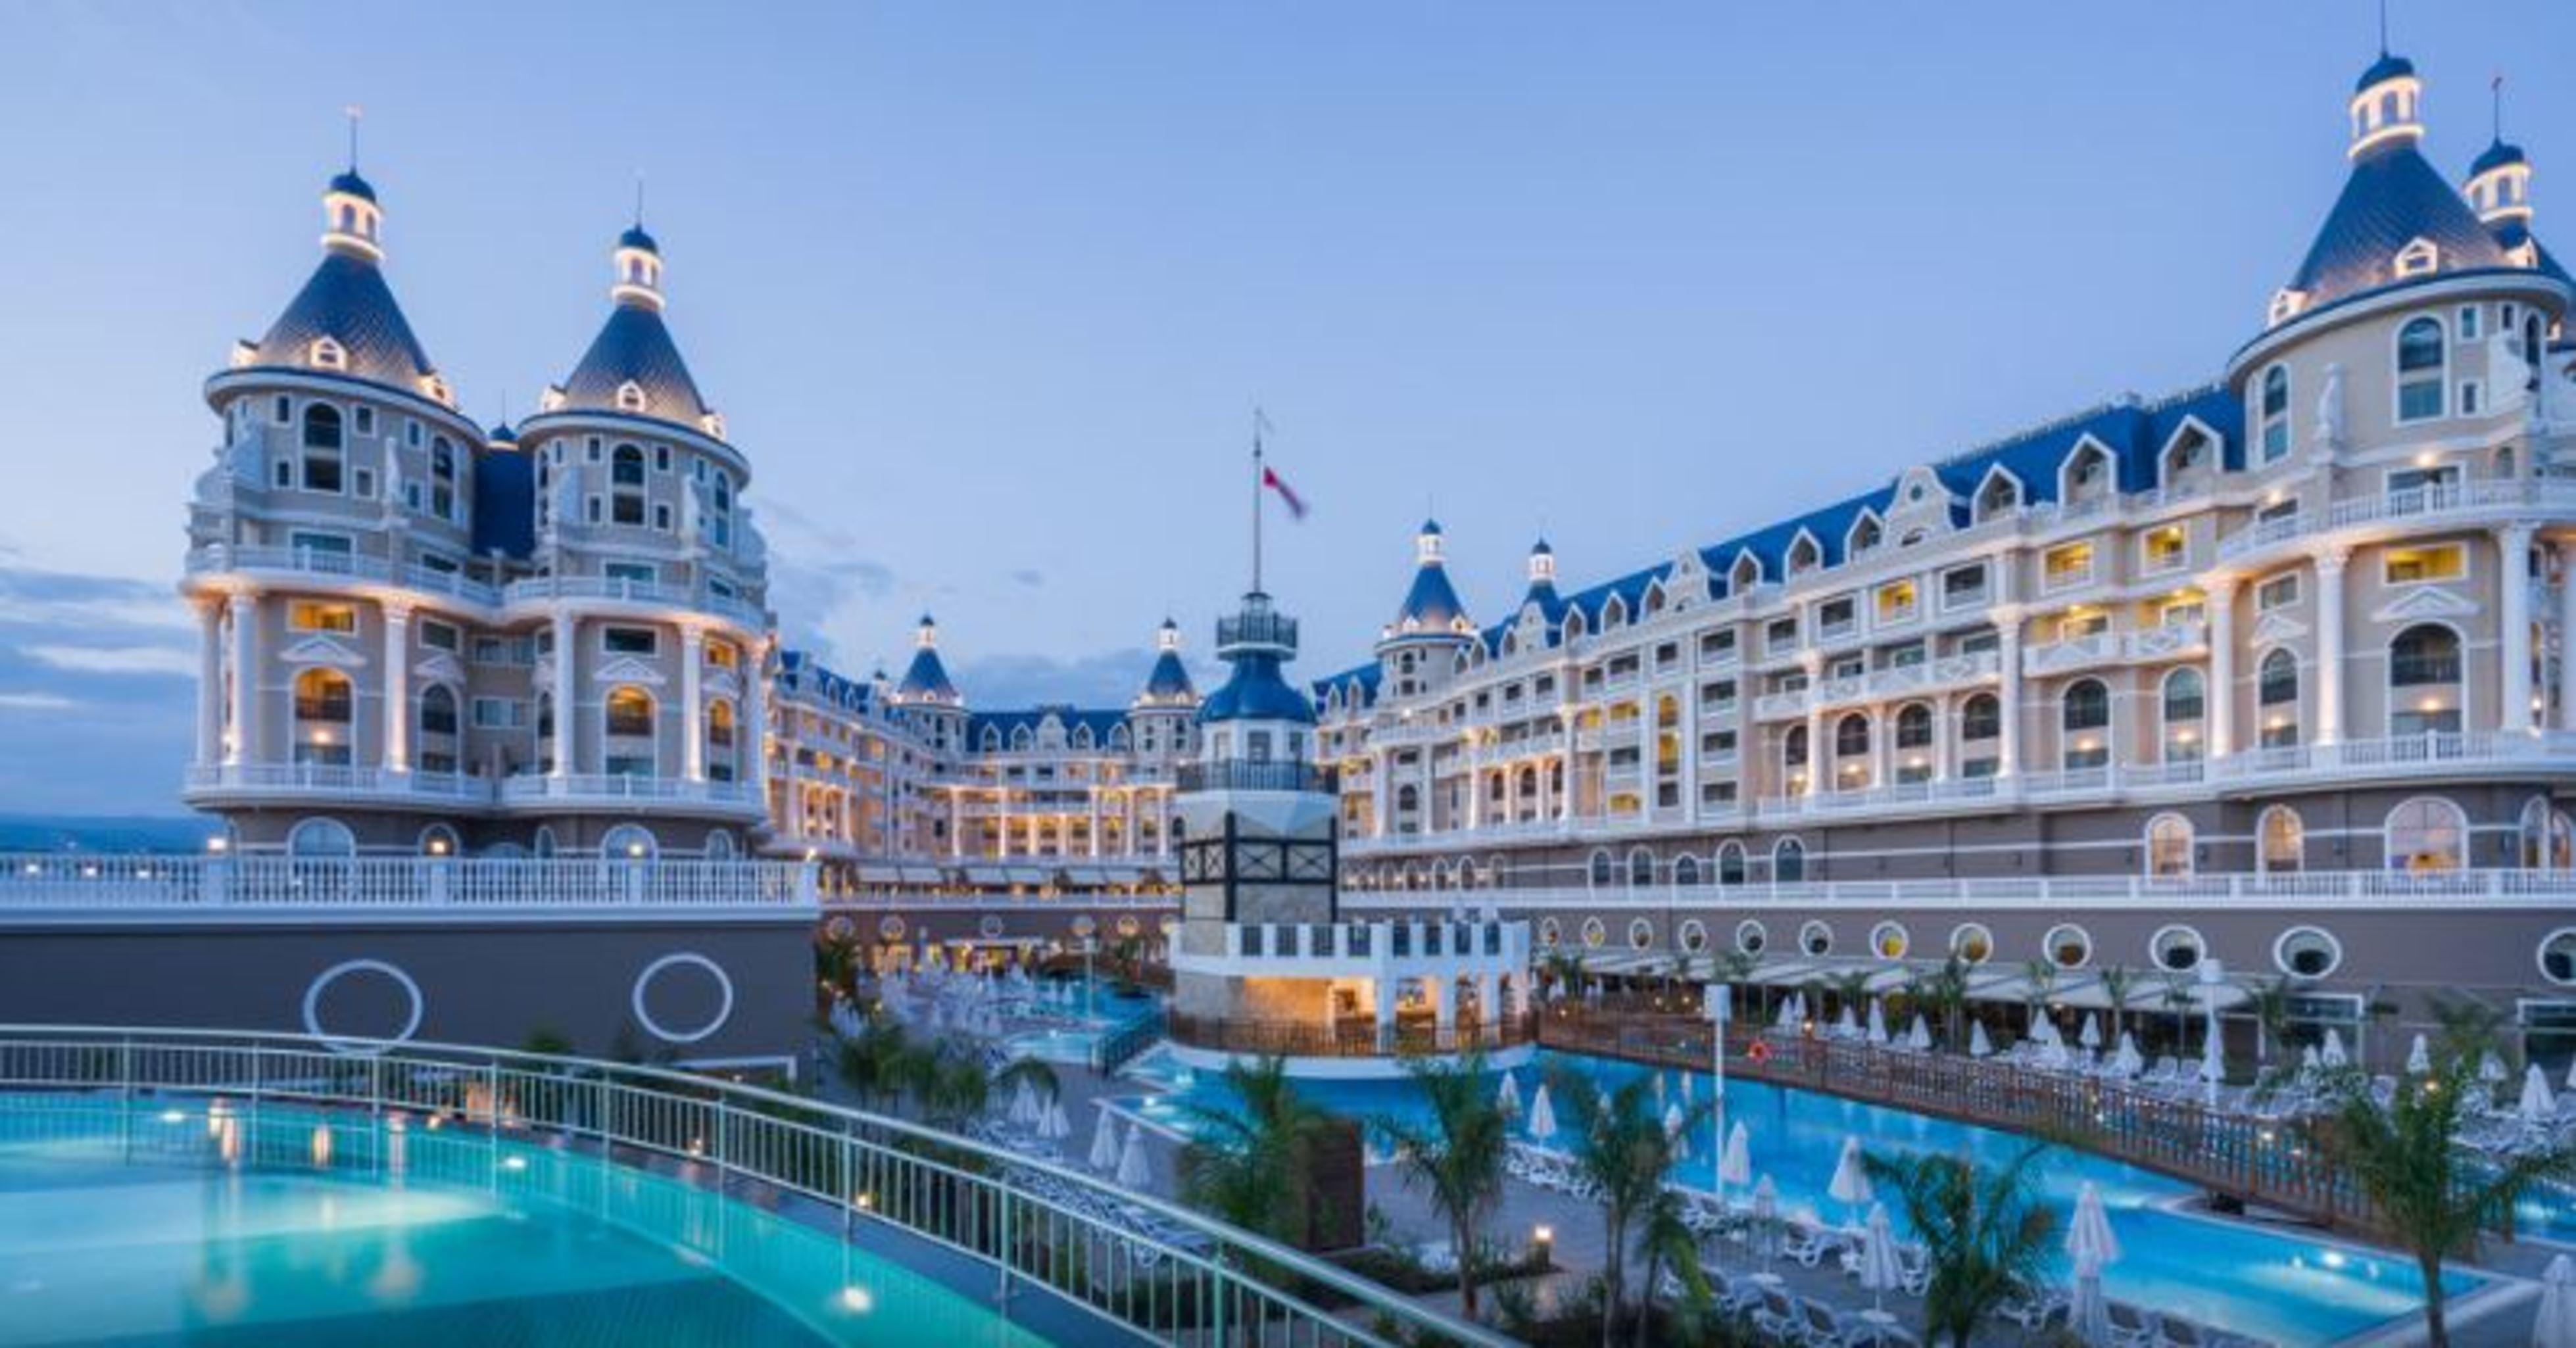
x: 167, y: 1225
x: 1097, y: 1008
x: 2286, y: 1288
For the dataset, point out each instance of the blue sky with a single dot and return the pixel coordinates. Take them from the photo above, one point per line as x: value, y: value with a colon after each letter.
x: 987, y: 292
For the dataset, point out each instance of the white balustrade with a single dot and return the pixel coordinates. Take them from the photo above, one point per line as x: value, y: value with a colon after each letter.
x: 61, y: 882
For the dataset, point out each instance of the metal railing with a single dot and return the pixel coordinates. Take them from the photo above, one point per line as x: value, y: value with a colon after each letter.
x: 1137, y: 1262
x: 1238, y: 775
x: 1352, y: 1039
x: 2399, y: 889
x: 87, y: 882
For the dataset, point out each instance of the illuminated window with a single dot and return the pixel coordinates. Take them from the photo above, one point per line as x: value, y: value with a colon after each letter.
x: 2408, y: 566
x: 2421, y: 354
x: 2169, y: 846
x: 2067, y: 946
x: 630, y: 711
x: 2427, y: 833
x: 2273, y: 413
x: 306, y: 615
x: 1889, y: 941
x: 2165, y: 548
x: 324, y: 708
x: 2282, y: 838
x: 1896, y: 601
x: 2066, y: 564
x: 1972, y: 942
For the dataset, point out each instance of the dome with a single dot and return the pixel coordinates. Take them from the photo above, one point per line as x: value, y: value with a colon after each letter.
x: 351, y: 184
x: 1169, y: 680
x: 2386, y: 68
x: 1256, y: 692
x: 2498, y: 155
x: 501, y: 434
x: 635, y: 237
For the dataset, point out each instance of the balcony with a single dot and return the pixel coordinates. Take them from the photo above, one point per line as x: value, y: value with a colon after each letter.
x: 2392, y: 890
x: 1237, y: 775
x: 624, y: 791
x: 64, y: 884
x: 314, y: 564
x: 610, y: 589
x: 2496, y: 498
x: 1930, y: 676
x: 243, y: 783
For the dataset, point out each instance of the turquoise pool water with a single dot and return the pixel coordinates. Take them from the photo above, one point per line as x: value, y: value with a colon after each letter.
x: 2281, y: 1287
x: 141, y: 1232
x: 1098, y: 1008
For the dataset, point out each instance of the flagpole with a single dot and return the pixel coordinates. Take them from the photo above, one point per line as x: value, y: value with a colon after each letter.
x: 1256, y: 500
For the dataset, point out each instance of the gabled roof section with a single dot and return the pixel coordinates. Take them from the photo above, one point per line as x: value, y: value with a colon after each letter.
x: 1099, y: 720
x: 799, y: 671
x: 347, y: 301
x: 2392, y: 198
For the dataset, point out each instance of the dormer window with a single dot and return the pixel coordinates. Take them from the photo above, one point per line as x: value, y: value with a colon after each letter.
x: 328, y: 355
x: 1804, y: 555
x: 436, y: 388
x: 1866, y: 535
x: 2286, y: 305
x: 1746, y: 573
x: 630, y: 397
x: 2000, y: 497
x: 2419, y: 258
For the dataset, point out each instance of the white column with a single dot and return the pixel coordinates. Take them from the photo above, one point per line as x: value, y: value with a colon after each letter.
x: 210, y: 682
x: 1688, y: 729
x: 1882, y: 746
x: 2008, y: 660
x: 956, y: 823
x: 567, y: 715
x: 755, y: 708
x: 2514, y: 548
x: 397, y: 709
x: 1381, y: 794
x: 242, y: 612
x: 1093, y: 842
x: 1162, y: 823
x: 1570, y: 792
x: 1942, y: 730
x: 1645, y: 753
x: 1475, y: 792
x: 2222, y: 667
x: 693, y: 711
x: 2566, y: 634
x: 1817, y: 758
x: 2330, y: 652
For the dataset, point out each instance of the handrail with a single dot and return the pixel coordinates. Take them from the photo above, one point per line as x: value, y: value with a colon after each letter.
x: 1357, y: 1039
x: 1096, y: 1245
x: 89, y: 881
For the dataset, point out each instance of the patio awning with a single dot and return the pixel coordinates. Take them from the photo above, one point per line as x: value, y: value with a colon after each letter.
x: 918, y: 875
x: 1024, y: 875
x: 880, y: 875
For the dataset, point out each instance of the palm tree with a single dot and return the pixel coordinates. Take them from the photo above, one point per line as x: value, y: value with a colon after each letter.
x: 874, y: 1063
x: 1621, y: 1148
x: 1852, y: 989
x: 2271, y: 1004
x: 1040, y: 1076
x: 2117, y: 979
x: 1251, y: 1164
x: 1670, y: 1243
x: 2431, y: 1195
x: 1985, y: 1237
x: 2040, y: 977
x: 836, y: 967
x: 1457, y: 1155
x: 1944, y: 992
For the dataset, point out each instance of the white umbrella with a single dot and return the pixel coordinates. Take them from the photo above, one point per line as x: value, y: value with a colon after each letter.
x: 1850, y: 1185
x: 1659, y: 1088
x: 1880, y: 1269
x: 2332, y: 1054
x: 2213, y: 1060
x: 1024, y: 1105
x: 2555, y: 1326
x: 1979, y: 1046
x: 2538, y: 1105
x: 2491, y: 1068
x: 1104, y: 1144
x: 1736, y: 1165
x: 1507, y: 1097
x: 1057, y: 1125
x: 1789, y: 1012
x: 1847, y: 1025
x: 2125, y: 1059
x: 2044, y: 1030
x: 1920, y: 1036
x: 2091, y: 1037
x: 2571, y: 1074
x: 2419, y: 1059
x: 1542, y: 1116
x: 1132, y: 1169
x: 1673, y: 1131
x: 2093, y: 1247
x: 1686, y: 1088
x: 1877, y: 1020
x: 2309, y: 1061
x: 1766, y: 1218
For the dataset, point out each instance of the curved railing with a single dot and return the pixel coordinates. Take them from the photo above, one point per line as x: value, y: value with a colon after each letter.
x: 1301, y: 1039
x: 1141, y: 1264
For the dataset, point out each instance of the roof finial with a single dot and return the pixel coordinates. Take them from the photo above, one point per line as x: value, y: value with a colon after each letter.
x: 639, y: 198
x: 353, y: 112
x: 2495, y: 90
x: 2383, y: 27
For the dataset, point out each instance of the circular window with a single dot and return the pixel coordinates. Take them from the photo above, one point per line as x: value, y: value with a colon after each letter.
x: 2067, y: 946
x: 2558, y: 956
x: 1083, y: 926
x: 1816, y: 938
x: 1594, y: 933
x: 1641, y: 934
x: 890, y: 927
x: 1549, y: 933
x: 2307, y: 952
x: 711, y: 1001
x: 1971, y: 941
x: 1889, y: 940
x: 1694, y: 936
x: 358, y: 1015
x: 2176, y: 949
x: 1750, y: 937
x: 990, y: 924
x: 841, y: 928
x: 1128, y: 925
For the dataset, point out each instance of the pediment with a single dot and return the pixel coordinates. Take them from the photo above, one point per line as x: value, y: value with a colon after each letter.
x: 2425, y: 601
x: 2273, y: 628
x: 322, y: 650
x: 439, y: 667
x: 627, y: 669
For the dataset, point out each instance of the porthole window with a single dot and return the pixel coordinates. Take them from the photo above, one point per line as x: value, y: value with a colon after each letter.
x: 1594, y: 933
x: 2067, y: 946
x: 1972, y: 942
x: 2176, y: 950
x: 1549, y: 933
x: 1889, y: 941
x: 2558, y: 956
x: 1750, y: 937
x: 1694, y: 936
x: 890, y: 927
x: 1816, y: 938
x: 2307, y: 952
x: 1641, y: 934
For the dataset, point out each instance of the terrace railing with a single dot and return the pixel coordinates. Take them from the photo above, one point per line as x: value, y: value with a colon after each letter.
x: 1355, y: 1039
x: 71, y: 882
x: 1141, y: 1265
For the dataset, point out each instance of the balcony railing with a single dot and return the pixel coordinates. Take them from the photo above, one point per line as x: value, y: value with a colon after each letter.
x: 223, y: 557
x: 1348, y: 1039
x: 2417, y: 503
x: 333, y: 779
x: 64, y: 883
x: 2394, y: 889
x: 1237, y: 775
x: 534, y: 787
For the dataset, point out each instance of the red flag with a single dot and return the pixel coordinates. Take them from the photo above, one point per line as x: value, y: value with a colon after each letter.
x: 1296, y: 503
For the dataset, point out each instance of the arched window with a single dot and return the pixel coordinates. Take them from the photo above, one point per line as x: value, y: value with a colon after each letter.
x: 2272, y: 413
x: 438, y: 729
x: 630, y: 842
x: 2427, y: 833
x: 323, y: 448
x: 2277, y: 685
x: 1981, y: 717
x: 720, y: 742
x: 1600, y: 872
x: 2088, y: 474
x: 324, y: 709
x: 630, y: 711
x: 438, y: 840
x: 1804, y: 555
x: 2086, y: 717
x: 1914, y: 726
x: 1788, y: 862
x: 1851, y: 736
x: 2281, y: 838
x: 1685, y: 871
x: 442, y: 478
x: 2421, y: 356
x: 1730, y: 863
x: 321, y: 838
x: 1641, y: 868
x: 626, y: 486
x: 2185, y: 702
x: 2426, y: 653
x: 2169, y: 847
x: 2544, y: 836
x: 2188, y: 454
x: 720, y: 845
x: 1793, y: 752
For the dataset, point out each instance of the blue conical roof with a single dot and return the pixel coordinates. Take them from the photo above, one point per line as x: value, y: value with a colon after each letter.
x: 346, y: 299
x: 2392, y: 198
x: 1169, y: 680
x: 635, y: 346
x: 926, y: 679
x: 1257, y: 692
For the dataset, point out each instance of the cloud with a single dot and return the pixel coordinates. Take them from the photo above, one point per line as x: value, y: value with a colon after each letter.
x: 1104, y: 679
x: 35, y: 702
x: 119, y: 659
x: 1029, y: 577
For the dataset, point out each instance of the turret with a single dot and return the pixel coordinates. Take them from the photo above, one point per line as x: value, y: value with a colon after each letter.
x: 2387, y: 107
x: 1431, y: 610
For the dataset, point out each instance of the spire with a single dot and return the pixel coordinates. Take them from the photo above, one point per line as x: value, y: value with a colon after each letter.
x: 345, y: 320
x: 2499, y: 184
x: 1431, y: 606
x: 633, y: 366
x: 2386, y: 106
x: 1542, y: 565
x: 351, y: 219
x: 1169, y: 682
x: 638, y: 261
x: 926, y: 679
